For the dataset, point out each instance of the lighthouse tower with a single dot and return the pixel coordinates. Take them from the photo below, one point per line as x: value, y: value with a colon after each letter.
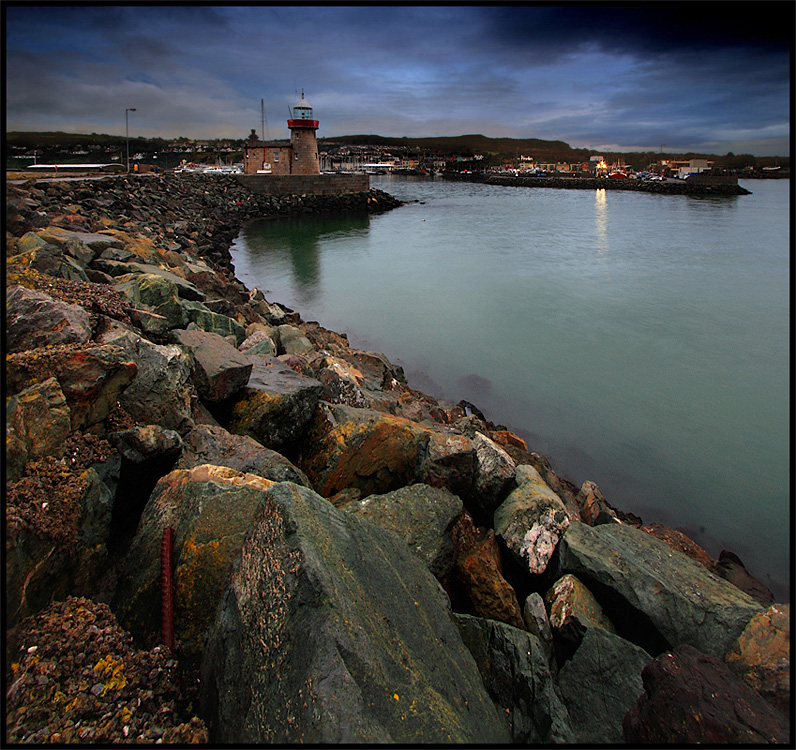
x: 302, y: 139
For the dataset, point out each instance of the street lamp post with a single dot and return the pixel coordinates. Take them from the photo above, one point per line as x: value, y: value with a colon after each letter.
x: 127, y: 129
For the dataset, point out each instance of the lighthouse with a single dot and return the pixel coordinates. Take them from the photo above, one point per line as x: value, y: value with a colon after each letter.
x: 302, y: 139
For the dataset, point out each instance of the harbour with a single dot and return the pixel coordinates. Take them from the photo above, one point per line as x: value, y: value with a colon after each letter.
x: 640, y: 343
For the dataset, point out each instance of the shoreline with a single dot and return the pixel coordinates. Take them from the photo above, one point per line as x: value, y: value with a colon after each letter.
x: 150, y: 389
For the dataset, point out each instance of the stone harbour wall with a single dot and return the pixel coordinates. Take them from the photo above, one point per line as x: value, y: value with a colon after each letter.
x: 322, y: 184
x: 258, y: 533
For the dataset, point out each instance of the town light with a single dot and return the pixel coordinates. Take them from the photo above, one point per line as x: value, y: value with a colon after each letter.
x: 127, y: 131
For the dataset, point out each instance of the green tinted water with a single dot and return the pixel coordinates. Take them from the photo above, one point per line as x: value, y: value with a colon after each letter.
x: 640, y: 341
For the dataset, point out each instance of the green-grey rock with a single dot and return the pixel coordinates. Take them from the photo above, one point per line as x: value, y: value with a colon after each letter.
x: 292, y: 340
x: 207, y: 320
x: 154, y: 293
x: 516, y: 673
x: 422, y: 516
x: 600, y: 684
x: 647, y: 581
x: 332, y: 631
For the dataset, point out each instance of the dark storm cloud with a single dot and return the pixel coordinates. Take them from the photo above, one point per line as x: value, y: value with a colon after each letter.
x: 648, y: 28
x: 635, y: 75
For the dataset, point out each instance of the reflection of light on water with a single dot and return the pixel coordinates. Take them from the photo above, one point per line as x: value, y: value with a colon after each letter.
x: 601, y: 220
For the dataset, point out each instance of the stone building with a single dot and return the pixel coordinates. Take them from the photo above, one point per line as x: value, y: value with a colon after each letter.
x: 299, y: 156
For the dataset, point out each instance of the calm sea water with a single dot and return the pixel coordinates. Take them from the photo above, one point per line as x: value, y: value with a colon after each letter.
x: 640, y: 341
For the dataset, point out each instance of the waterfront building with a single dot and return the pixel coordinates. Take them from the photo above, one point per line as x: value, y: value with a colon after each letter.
x: 299, y: 156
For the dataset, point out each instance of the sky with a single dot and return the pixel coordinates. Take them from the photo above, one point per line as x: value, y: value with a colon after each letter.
x: 708, y: 77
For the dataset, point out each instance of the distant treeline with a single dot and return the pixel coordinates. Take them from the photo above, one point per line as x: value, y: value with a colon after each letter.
x: 494, y: 150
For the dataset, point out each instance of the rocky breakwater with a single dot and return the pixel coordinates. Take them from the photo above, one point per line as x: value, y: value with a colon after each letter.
x: 301, y: 546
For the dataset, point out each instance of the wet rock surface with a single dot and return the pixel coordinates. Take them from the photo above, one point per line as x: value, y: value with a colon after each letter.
x: 158, y: 395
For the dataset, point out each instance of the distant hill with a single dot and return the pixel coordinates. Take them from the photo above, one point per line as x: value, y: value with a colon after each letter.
x: 473, y: 143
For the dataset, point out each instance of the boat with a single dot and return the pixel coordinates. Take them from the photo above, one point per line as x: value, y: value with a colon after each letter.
x: 618, y: 174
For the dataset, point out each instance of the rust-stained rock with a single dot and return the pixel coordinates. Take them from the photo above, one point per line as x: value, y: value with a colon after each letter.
x: 593, y: 508
x: 39, y: 417
x: 366, y: 449
x: 761, y: 655
x: 505, y: 438
x: 730, y: 568
x: 480, y: 574
x: 679, y: 541
x: 92, y: 378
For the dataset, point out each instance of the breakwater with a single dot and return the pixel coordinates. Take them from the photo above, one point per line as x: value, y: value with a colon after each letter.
x: 713, y: 186
x: 319, y: 508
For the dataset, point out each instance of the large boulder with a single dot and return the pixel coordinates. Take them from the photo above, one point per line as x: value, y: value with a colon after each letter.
x: 52, y: 261
x: 514, y: 667
x: 600, y: 684
x: 530, y: 521
x: 210, y: 509
x: 219, y: 370
x: 362, y: 448
x: 691, y: 698
x: 422, y: 516
x: 161, y: 393
x: 660, y: 597
x: 761, y: 655
x: 479, y: 574
x: 35, y: 319
x: 276, y: 405
x: 332, y: 631
x: 212, y: 444
x: 97, y: 242
x: 39, y: 416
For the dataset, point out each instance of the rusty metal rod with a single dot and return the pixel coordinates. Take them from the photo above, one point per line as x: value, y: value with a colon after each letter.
x: 167, y: 588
